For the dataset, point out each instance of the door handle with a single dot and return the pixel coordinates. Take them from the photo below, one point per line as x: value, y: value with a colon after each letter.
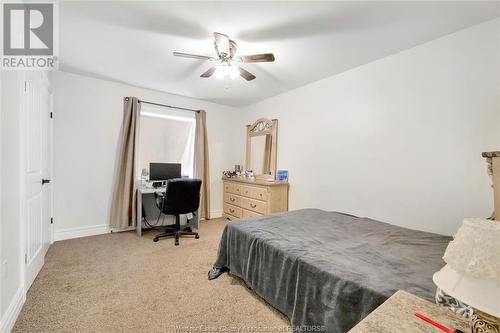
x: 45, y: 181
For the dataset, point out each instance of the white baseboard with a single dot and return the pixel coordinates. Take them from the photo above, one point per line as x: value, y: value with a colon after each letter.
x: 12, y: 312
x: 81, y: 232
x: 101, y: 229
x: 215, y: 214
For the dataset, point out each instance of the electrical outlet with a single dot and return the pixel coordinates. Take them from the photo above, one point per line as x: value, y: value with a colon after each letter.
x: 5, y: 272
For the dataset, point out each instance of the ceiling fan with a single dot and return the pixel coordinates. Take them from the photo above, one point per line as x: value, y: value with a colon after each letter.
x: 226, y: 50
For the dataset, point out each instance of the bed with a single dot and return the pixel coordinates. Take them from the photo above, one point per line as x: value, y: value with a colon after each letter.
x: 327, y: 270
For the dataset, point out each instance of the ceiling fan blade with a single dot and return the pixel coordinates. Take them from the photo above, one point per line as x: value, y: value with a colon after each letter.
x: 209, y: 72
x: 246, y: 74
x: 194, y: 56
x: 266, y: 57
x: 221, y: 43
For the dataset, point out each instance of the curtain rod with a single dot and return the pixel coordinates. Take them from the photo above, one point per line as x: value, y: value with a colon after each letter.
x: 170, y: 106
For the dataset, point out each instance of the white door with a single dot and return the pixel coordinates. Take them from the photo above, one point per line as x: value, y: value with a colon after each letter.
x: 38, y: 189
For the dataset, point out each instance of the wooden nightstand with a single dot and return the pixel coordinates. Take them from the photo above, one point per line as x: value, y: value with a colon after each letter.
x: 396, y: 315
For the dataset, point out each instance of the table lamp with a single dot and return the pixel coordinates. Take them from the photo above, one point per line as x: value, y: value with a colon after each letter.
x: 472, y: 272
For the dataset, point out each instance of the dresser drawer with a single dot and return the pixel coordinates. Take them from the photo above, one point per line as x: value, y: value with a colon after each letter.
x: 245, y: 190
x: 230, y: 187
x: 252, y: 192
x: 238, y: 189
x: 230, y: 217
x: 232, y: 210
x: 248, y: 213
x: 258, y: 193
x: 232, y: 199
x: 253, y: 205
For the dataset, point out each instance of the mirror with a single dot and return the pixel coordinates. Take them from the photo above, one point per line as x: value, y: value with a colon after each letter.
x: 261, y: 148
x: 261, y: 154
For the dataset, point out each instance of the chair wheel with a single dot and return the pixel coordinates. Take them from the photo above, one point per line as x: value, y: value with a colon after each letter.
x: 176, y: 242
x: 155, y: 239
x: 197, y: 236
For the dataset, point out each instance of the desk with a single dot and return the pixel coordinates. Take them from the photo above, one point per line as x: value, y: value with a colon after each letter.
x: 147, y: 189
x: 144, y: 189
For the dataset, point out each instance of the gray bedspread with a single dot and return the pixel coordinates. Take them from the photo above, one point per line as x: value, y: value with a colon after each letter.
x: 328, y: 269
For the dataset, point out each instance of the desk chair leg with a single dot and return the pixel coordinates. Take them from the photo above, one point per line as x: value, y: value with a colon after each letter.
x: 177, y: 232
x: 186, y: 231
x: 192, y: 233
x: 167, y: 233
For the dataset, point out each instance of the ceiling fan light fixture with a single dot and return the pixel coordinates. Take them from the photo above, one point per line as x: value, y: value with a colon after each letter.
x: 233, y: 72
x: 226, y: 71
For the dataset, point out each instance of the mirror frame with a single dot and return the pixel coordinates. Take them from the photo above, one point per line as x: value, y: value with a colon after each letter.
x: 263, y: 126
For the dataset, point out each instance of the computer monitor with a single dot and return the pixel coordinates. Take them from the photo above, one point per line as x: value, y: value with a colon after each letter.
x: 164, y: 171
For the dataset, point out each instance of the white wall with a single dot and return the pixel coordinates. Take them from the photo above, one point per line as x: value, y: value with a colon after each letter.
x: 11, y: 257
x: 399, y: 139
x: 87, y: 121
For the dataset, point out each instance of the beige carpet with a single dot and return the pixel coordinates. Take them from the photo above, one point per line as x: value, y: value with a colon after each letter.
x: 122, y: 283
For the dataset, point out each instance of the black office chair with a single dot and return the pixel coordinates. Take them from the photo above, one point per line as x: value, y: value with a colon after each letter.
x: 182, y: 196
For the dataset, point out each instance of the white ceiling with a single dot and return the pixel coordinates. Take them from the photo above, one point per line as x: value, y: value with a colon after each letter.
x: 133, y: 41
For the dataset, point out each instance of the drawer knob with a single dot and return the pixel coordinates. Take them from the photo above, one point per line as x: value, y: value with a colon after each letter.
x: 260, y: 194
x: 231, y: 210
x: 232, y: 199
x: 253, y: 205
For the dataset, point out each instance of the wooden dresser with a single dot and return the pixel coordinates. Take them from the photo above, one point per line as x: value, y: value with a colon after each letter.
x: 244, y: 198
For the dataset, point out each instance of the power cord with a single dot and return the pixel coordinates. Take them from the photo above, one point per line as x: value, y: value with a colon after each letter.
x: 153, y: 226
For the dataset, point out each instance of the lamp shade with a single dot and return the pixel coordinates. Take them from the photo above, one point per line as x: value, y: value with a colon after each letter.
x: 472, y: 271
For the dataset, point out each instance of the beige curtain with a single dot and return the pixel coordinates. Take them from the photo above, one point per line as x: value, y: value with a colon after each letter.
x: 201, y: 170
x: 123, y: 206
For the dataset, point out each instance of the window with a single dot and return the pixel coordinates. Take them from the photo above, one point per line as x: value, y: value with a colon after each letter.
x: 167, y: 136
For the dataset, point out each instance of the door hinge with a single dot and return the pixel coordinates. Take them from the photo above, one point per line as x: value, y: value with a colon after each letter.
x: 25, y: 258
x: 25, y: 85
x: 51, y: 220
x: 51, y: 115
